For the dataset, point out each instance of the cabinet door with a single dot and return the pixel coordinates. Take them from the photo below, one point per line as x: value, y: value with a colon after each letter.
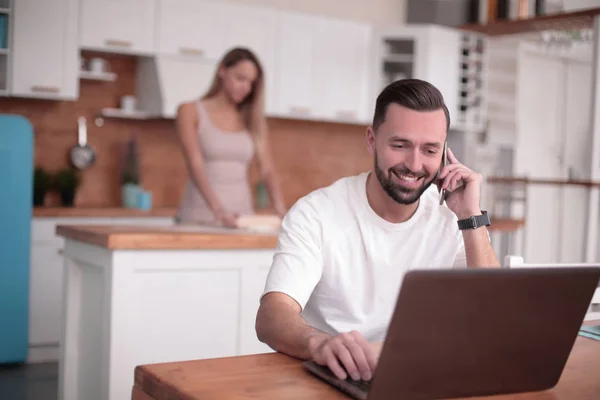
x: 191, y: 27
x: 122, y: 26
x: 45, y: 59
x: 254, y: 28
x: 294, y: 55
x: 45, y: 294
x: 340, y: 62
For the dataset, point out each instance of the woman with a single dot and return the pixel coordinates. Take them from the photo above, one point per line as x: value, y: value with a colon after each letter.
x: 220, y: 134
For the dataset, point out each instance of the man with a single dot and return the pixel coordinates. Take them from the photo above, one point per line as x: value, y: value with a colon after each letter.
x: 343, y: 249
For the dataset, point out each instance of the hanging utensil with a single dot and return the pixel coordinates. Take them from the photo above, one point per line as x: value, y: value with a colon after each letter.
x: 82, y: 155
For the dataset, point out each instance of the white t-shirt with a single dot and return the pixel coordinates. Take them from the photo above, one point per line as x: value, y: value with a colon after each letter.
x: 344, y: 264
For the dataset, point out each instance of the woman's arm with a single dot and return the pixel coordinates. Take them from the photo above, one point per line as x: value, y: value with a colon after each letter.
x: 186, y: 123
x: 270, y: 177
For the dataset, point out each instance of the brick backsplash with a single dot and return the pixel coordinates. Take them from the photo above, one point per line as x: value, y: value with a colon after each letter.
x: 307, y: 154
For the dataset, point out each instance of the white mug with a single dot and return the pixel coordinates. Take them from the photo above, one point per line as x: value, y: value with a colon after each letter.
x: 98, y: 65
x: 128, y: 103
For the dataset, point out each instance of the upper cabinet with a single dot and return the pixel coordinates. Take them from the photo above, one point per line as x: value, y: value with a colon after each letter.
x: 322, y: 68
x: 45, y: 56
x: 190, y: 28
x: 340, y: 62
x: 123, y: 26
x: 294, y: 66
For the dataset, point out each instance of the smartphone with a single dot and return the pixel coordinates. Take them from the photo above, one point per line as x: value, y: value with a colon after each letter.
x: 444, y: 163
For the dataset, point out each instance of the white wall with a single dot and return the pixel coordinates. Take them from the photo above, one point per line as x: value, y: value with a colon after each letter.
x: 574, y: 5
x: 378, y: 12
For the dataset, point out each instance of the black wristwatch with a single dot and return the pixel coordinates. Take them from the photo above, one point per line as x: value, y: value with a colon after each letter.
x: 475, y: 221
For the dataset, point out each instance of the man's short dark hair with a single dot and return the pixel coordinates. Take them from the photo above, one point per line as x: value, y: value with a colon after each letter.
x: 414, y: 94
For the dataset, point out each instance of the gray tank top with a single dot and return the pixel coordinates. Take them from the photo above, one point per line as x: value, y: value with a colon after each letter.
x: 227, y: 156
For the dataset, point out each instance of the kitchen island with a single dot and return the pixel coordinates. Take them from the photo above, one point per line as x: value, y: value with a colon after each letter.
x: 142, y: 295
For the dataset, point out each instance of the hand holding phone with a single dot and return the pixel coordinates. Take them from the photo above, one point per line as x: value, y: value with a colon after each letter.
x: 459, y: 186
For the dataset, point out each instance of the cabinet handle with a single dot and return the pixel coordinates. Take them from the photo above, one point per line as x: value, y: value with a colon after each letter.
x: 346, y: 114
x: 300, y: 110
x: 191, y: 51
x: 61, y: 251
x: 120, y: 43
x: 45, y: 89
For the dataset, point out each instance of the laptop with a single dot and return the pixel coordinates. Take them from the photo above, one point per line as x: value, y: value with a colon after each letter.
x: 477, y: 332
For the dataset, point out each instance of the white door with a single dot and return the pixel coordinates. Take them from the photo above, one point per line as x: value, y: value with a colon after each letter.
x: 539, y: 151
x: 340, y: 69
x: 294, y: 55
x: 191, y: 27
x: 45, y: 59
x: 577, y: 135
x: 254, y: 28
x: 122, y: 26
x: 45, y: 294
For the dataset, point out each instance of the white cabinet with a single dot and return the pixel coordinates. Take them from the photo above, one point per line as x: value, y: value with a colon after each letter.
x: 340, y: 63
x: 294, y: 67
x: 45, y: 55
x: 322, y: 68
x: 190, y: 27
x: 46, y: 282
x: 46, y: 279
x: 121, y: 26
x: 127, y: 308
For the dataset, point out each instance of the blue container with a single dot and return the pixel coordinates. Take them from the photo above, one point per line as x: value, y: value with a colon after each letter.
x: 16, y: 202
x: 144, y: 200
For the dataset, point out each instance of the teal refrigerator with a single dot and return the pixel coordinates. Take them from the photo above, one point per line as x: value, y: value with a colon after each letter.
x: 16, y: 201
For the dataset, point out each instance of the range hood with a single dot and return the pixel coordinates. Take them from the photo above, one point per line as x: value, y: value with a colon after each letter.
x: 164, y: 82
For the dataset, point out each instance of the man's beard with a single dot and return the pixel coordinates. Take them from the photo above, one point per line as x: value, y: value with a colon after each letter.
x: 398, y: 193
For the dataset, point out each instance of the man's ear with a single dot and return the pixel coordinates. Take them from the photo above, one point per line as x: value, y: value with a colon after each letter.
x: 371, y: 140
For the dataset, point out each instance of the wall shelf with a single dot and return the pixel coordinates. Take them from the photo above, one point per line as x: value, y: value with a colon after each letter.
x: 561, y: 21
x: 118, y: 113
x: 98, y: 76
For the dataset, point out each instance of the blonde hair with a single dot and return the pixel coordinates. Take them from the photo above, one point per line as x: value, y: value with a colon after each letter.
x: 253, y: 106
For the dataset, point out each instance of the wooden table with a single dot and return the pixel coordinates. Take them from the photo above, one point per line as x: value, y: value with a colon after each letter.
x: 276, y: 376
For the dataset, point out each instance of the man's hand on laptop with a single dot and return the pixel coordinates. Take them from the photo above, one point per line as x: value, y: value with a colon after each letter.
x: 346, y: 353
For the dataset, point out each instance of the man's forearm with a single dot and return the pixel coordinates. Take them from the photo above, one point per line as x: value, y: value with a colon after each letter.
x: 287, y: 333
x: 478, y: 248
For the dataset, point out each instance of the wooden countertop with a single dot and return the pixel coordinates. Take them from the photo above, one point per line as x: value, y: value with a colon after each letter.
x: 166, y: 238
x: 101, y: 212
x: 276, y: 376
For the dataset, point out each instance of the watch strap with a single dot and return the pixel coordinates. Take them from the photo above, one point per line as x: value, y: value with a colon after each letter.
x: 475, y: 221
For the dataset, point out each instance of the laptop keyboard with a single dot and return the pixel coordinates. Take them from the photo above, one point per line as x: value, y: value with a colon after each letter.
x: 360, y: 384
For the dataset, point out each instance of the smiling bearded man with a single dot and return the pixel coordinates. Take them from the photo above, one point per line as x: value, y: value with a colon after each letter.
x: 343, y: 250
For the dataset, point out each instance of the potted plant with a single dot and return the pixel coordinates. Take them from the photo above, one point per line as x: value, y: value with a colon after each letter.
x: 130, y: 178
x: 66, y: 182
x: 42, y: 182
